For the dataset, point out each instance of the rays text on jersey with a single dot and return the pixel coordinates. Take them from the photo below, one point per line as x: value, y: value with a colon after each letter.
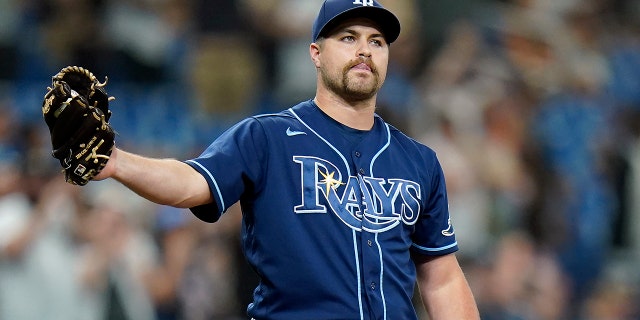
x: 362, y: 203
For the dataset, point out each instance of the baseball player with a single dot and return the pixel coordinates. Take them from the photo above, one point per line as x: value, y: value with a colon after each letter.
x: 342, y: 213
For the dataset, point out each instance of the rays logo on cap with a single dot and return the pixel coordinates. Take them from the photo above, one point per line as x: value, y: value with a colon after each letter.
x: 333, y: 12
x: 364, y: 3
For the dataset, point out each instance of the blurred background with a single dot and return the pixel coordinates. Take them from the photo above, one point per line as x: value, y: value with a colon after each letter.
x: 533, y: 107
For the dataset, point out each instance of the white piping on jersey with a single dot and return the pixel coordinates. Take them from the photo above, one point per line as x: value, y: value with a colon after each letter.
x: 435, y: 249
x: 384, y: 300
x: 355, y: 242
x: 355, y: 253
x: 386, y: 145
x: 222, y: 207
x: 346, y: 164
x: 373, y: 160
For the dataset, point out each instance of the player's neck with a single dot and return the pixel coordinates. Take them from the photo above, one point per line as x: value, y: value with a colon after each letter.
x: 354, y: 115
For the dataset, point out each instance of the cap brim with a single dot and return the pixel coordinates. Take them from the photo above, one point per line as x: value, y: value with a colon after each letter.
x: 386, y: 20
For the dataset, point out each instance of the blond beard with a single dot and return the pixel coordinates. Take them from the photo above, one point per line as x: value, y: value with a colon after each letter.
x: 351, y: 89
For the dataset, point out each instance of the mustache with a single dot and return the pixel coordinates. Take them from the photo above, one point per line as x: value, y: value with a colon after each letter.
x: 359, y: 60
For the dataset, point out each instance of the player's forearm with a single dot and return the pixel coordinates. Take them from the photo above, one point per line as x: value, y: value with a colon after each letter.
x: 453, y: 301
x: 164, y: 181
x: 445, y: 292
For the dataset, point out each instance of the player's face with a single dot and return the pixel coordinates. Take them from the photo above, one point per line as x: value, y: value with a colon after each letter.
x: 352, y: 60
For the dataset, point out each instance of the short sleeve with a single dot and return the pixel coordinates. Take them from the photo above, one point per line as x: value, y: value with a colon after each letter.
x: 232, y: 165
x: 434, y: 234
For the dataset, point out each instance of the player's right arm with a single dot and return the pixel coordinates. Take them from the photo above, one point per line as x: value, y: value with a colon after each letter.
x: 444, y: 289
x: 163, y: 181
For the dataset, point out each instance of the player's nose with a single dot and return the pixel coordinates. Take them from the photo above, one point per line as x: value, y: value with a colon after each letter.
x: 363, y: 50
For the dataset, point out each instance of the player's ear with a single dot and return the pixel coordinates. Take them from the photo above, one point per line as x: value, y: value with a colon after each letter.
x: 314, y: 52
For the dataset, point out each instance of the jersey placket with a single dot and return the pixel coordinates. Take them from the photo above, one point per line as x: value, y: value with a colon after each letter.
x: 370, y: 254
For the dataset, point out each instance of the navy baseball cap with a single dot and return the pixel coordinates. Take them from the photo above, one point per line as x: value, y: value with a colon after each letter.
x: 333, y: 12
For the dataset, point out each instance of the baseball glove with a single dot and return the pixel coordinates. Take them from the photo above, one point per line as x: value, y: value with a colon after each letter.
x: 76, y: 110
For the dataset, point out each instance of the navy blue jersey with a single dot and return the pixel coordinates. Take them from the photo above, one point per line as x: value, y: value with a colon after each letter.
x: 330, y: 214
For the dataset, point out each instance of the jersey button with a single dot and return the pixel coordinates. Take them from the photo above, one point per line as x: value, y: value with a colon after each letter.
x: 373, y: 285
x: 369, y: 243
x: 361, y: 171
x: 357, y: 154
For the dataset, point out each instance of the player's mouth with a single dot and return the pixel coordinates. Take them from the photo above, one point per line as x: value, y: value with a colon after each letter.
x: 362, y: 66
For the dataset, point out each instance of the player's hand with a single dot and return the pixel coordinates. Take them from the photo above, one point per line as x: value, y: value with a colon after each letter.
x: 110, y: 167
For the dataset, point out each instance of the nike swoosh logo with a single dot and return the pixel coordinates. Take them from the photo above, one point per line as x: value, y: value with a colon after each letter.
x: 292, y: 133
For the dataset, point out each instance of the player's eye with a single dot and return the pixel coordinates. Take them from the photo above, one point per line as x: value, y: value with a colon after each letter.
x: 348, y: 38
x: 377, y: 42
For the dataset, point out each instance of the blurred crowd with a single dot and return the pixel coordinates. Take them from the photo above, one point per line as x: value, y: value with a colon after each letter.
x: 533, y: 107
